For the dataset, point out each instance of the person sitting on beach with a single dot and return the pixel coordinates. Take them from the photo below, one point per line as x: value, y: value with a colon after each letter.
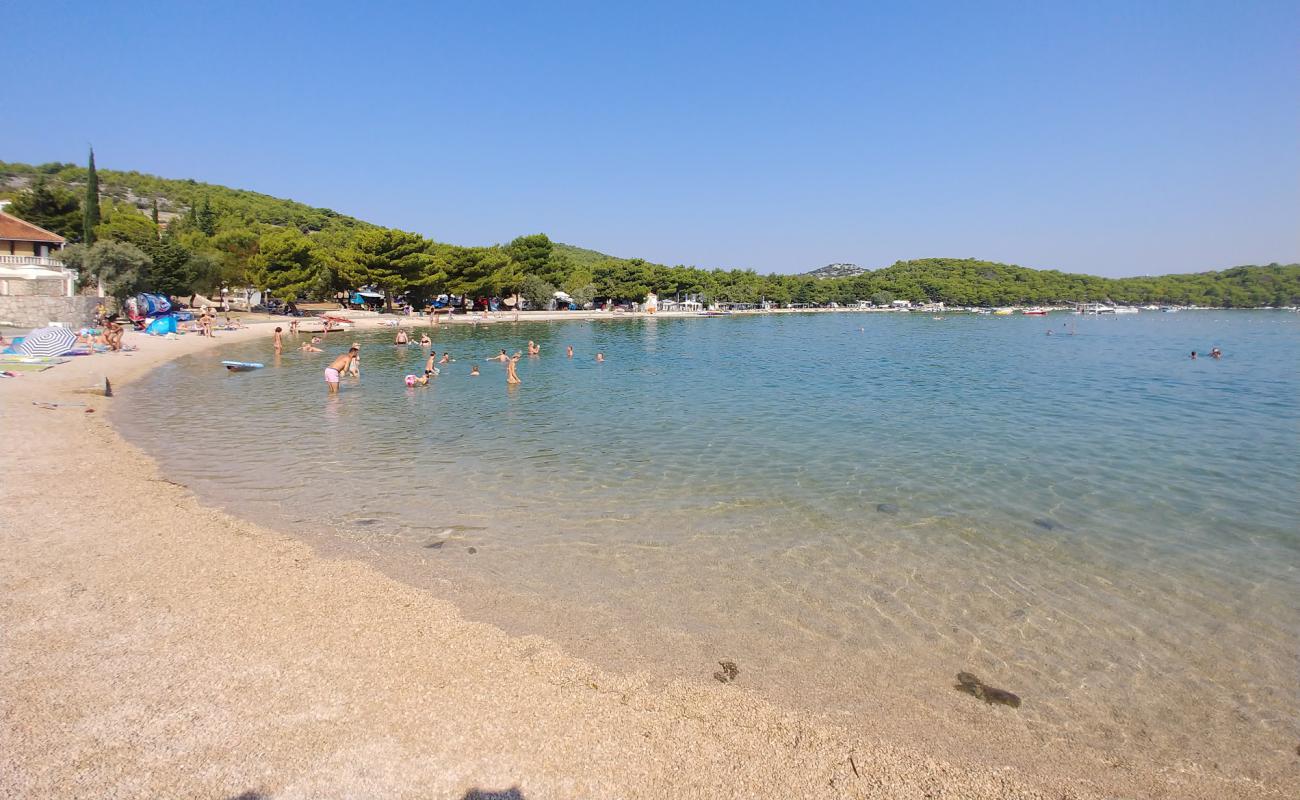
x: 512, y: 377
x: 568, y: 351
x: 402, y: 338
x: 534, y: 349
x: 500, y: 357
x: 340, y: 365
x: 113, y: 335
x: 473, y: 371
x: 425, y: 341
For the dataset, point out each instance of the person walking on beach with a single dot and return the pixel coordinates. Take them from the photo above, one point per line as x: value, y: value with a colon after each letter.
x: 340, y: 365
x: 512, y: 377
x: 278, y: 341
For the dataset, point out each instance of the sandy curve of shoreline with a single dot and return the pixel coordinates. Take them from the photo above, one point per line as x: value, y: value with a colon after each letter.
x: 154, y: 647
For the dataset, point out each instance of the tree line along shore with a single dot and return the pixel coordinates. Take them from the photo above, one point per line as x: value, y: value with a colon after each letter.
x: 180, y: 237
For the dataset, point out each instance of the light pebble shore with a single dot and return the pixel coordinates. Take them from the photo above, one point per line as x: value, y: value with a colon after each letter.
x: 153, y: 647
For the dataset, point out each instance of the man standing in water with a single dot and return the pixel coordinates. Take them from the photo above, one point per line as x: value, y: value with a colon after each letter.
x: 339, y: 366
x: 512, y: 377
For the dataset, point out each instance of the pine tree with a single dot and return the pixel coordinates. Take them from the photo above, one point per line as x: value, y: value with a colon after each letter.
x: 155, y: 212
x: 90, y: 208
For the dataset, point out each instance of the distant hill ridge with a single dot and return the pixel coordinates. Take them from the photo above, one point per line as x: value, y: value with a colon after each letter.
x: 835, y: 271
x: 962, y: 281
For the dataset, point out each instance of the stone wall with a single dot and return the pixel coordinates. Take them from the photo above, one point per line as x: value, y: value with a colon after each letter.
x: 29, y: 311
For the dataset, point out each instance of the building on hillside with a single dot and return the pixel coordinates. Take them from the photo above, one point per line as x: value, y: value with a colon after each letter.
x: 26, y: 265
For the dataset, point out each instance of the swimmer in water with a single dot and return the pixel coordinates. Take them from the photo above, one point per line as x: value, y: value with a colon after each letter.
x: 600, y: 358
x: 446, y: 358
x: 512, y: 377
x: 401, y: 338
x: 309, y: 347
x: 1216, y: 353
x: 340, y: 365
x: 425, y: 341
x: 473, y: 371
x: 500, y: 357
x: 568, y: 351
x: 279, y: 343
x: 534, y: 349
x: 1193, y: 355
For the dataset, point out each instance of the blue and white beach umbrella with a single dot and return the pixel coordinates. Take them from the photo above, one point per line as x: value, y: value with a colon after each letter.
x: 47, y: 342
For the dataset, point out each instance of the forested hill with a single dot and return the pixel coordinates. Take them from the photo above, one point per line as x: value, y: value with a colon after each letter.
x: 181, y: 236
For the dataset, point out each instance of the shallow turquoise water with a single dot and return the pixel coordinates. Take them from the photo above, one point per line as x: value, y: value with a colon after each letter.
x: 1090, y: 516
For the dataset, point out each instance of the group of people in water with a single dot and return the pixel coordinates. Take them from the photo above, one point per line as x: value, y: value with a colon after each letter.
x: 349, y: 363
x: 1214, y: 353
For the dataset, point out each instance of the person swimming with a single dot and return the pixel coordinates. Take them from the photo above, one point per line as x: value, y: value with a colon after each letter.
x: 446, y: 358
x: 600, y: 358
x: 534, y: 349
x: 1193, y: 355
x: 310, y: 347
x: 1216, y: 353
x: 473, y: 371
x: 500, y: 357
x: 425, y: 341
x: 568, y: 351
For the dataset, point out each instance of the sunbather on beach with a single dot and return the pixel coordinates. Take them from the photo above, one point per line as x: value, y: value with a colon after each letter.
x: 340, y: 365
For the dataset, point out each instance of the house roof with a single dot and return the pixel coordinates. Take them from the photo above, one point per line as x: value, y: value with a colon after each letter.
x: 20, y: 230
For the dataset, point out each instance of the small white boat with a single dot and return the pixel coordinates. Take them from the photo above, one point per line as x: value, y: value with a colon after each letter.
x: 1035, y: 312
x: 1124, y: 310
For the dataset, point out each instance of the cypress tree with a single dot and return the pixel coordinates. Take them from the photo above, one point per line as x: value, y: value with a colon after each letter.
x: 155, y: 212
x: 90, y: 208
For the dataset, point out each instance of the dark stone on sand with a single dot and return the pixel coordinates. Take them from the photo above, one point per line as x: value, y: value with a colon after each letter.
x: 365, y: 521
x: 472, y: 550
x: 434, y: 545
x: 887, y: 508
x: 973, y: 686
x: 1048, y: 524
x: 728, y: 672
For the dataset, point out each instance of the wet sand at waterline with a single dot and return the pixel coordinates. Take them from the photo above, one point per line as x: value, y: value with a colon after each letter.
x: 150, y: 646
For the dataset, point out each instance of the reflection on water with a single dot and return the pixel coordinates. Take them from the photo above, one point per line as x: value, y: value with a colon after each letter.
x: 1094, y: 521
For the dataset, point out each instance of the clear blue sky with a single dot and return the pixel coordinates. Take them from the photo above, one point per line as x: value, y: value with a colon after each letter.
x: 1111, y: 138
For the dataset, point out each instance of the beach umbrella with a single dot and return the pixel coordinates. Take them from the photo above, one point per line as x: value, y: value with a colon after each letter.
x: 47, y: 342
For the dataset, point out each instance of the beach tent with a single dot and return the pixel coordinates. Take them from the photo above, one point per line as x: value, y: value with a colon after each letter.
x: 162, y: 325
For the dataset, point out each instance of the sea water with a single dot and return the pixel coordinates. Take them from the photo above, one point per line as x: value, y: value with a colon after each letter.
x: 852, y: 507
